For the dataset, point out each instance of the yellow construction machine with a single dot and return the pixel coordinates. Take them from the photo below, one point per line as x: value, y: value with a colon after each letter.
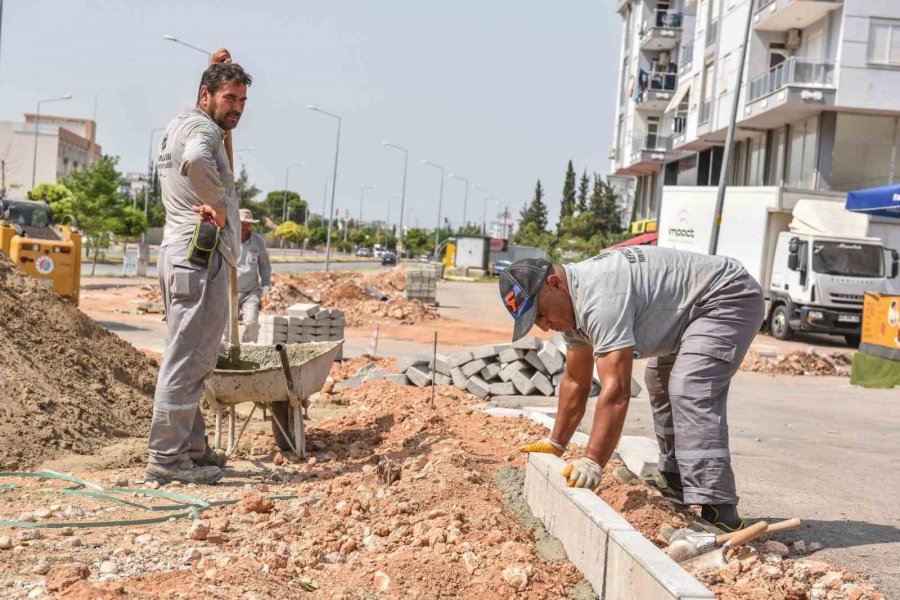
x: 48, y: 252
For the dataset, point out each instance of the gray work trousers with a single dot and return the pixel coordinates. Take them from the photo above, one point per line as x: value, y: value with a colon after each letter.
x: 196, y: 303
x: 249, y: 303
x: 689, y: 391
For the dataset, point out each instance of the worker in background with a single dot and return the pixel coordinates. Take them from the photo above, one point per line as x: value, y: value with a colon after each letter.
x: 200, y: 244
x: 693, y: 315
x: 254, y: 276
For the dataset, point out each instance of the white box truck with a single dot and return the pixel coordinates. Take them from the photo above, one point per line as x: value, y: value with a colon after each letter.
x: 814, y: 259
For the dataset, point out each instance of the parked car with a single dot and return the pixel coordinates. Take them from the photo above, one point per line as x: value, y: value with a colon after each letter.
x: 500, y: 266
x: 364, y: 252
x: 388, y: 259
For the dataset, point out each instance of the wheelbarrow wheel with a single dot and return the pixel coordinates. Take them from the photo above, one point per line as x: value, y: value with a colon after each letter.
x: 282, y: 411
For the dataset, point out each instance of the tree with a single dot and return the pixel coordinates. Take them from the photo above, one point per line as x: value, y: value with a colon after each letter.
x: 584, y: 187
x: 417, y: 241
x: 469, y: 229
x: 603, y: 208
x: 246, y: 191
x: 59, y: 196
x: 567, y: 204
x: 536, y: 211
x: 274, y: 204
x: 292, y: 232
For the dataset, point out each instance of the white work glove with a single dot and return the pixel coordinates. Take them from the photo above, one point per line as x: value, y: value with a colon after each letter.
x: 583, y: 473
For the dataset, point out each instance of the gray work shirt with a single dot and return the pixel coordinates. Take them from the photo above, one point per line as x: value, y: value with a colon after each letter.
x: 193, y: 169
x: 253, y: 266
x: 641, y: 296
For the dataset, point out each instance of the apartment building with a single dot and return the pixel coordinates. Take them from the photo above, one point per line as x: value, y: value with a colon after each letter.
x: 64, y: 144
x: 818, y: 110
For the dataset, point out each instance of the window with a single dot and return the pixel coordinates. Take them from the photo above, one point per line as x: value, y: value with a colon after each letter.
x: 724, y: 74
x: 802, y: 153
x: 884, y: 42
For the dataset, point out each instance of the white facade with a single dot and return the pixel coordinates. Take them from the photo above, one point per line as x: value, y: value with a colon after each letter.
x: 63, y: 145
x: 818, y: 109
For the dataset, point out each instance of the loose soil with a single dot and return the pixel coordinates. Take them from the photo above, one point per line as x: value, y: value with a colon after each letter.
x: 67, y: 383
x: 799, y: 362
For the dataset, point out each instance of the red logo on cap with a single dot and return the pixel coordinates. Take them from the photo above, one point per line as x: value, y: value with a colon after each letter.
x: 511, y: 301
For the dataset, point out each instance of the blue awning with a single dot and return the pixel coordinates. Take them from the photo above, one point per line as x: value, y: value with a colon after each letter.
x: 880, y: 201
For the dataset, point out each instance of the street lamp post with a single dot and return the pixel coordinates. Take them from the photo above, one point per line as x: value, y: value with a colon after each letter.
x: 437, y: 230
x: 172, y: 38
x: 143, y: 249
x: 37, y: 124
x: 466, y: 198
x: 484, y: 209
x: 402, y: 193
x: 362, y: 195
x: 287, y: 170
x: 337, y: 148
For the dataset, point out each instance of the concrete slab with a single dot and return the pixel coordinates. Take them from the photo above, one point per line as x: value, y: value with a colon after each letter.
x: 640, y: 454
x: 471, y: 368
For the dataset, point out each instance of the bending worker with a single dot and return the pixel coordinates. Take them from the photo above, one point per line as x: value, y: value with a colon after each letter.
x: 254, y: 276
x: 200, y: 244
x: 693, y: 315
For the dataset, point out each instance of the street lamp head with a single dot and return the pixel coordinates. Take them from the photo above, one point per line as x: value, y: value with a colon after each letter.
x: 171, y: 38
x: 67, y: 97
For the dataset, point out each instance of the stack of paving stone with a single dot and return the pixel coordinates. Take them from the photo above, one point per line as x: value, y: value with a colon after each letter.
x: 302, y: 323
x: 421, y: 285
x: 527, y: 367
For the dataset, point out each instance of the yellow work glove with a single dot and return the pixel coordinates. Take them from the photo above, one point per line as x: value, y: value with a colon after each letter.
x: 583, y: 473
x: 544, y: 446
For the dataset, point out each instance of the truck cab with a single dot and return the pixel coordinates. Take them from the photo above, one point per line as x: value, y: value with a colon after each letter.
x: 48, y: 252
x: 818, y: 282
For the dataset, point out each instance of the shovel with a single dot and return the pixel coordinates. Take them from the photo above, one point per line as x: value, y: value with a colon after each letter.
x: 716, y: 558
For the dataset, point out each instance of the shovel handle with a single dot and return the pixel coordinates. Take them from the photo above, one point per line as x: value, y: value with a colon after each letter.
x: 785, y: 525
x: 749, y: 534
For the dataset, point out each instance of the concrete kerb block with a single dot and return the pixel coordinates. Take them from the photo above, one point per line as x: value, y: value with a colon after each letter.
x: 617, y: 560
x: 398, y: 378
x: 528, y: 343
x: 522, y: 381
x: 302, y: 310
x: 507, y: 370
x: 531, y: 357
x: 478, y: 387
x: 503, y: 412
x: 484, y: 352
x: 490, y: 371
x: 640, y: 454
x: 323, y: 314
x: 503, y: 389
x: 459, y: 380
x: 471, y: 368
x: 460, y: 358
x: 403, y: 364
x: 419, y: 376
x: 542, y: 383
x: 511, y: 355
x: 441, y: 364
x: 551, y: 359
x: 441, y: 379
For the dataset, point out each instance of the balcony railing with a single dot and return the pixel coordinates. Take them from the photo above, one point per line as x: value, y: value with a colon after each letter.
x: 705, y: 111
x: 653, y: 142
x: 679, y: 119
x: 660, y: 81
x: 712, y: 33
x: 793, y: 71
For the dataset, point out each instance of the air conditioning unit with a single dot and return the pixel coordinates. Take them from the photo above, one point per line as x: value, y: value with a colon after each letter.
x: 793, y: 39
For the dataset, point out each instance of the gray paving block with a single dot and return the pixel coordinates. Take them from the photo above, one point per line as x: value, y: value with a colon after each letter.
x: 273, y: 320
x: 302, y: 310
x: 460, y: 358
x: 542, y: 383
x: 487, y: 351
x: 441, y: 379
x: 531, y: 357
x: 398, y: 378
x: 412, y: 361
x: 336, y: 313
x: 473, y: 367
x: 503, y: 389
x: 441, y: 364
x: 419, y: 376
x: 507, y: 370
x: 478, y: 387
x: 528, y: 343
x: 491, y: 371
x: 323, y: 314
x: 459, y: 380
x: 551, y: 359
x: 511, y: 354
x: 522, y: 381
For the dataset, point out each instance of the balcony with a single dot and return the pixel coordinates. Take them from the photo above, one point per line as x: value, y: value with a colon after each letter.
x: 794, y: 89
x: 650, y: 154
x: 781, y: 15
x: 662, y: 31
x: 658, y: 92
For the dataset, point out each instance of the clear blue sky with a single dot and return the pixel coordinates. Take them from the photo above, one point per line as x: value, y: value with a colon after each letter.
x: 499, y: 91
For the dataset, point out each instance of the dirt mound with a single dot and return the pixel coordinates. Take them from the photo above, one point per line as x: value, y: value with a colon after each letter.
x: 365, y: 299
x: 799, y: 362
x: 66, y: 383
x: 349, y: 368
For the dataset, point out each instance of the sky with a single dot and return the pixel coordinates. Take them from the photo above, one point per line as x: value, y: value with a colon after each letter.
x: 500, y: 92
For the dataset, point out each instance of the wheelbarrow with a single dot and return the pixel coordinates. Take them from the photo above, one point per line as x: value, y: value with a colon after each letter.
x: 279, y: 379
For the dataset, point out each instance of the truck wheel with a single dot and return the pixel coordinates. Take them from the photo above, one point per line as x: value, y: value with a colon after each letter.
x: 852, y: 340
x: 779, y: 325
x: 282, y: 411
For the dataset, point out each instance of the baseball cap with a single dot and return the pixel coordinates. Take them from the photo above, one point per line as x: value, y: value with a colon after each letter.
x: 247, y: 216
x: 519, y: 285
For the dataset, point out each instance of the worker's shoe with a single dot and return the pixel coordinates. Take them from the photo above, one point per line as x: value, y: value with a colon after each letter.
x: 211, y: 458
x: 674, y: 490
x: 723, y: 516
x: 184, y: 471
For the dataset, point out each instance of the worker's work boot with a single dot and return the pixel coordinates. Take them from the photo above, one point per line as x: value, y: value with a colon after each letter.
x: 211, y: 458
x: 674, y: 490
x: 184, y: 471
x: 723, y: 516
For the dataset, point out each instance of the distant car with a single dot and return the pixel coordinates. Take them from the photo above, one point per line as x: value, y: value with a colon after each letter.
x: 500, y: 266
x: 364, y: 252
x: 388, y: 259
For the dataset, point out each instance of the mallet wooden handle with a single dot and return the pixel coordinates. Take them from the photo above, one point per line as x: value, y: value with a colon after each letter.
x: 743, y: 536
x: 785, y: 525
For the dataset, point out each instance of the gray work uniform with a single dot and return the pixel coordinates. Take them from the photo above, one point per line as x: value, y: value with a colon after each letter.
x: 694, y: 316
x: 254, y: 280
x: 193, y: 169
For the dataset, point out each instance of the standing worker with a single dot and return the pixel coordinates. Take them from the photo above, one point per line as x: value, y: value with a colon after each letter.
x: 200, y: 244
x: 254, y: 276
x: 694, y: 314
